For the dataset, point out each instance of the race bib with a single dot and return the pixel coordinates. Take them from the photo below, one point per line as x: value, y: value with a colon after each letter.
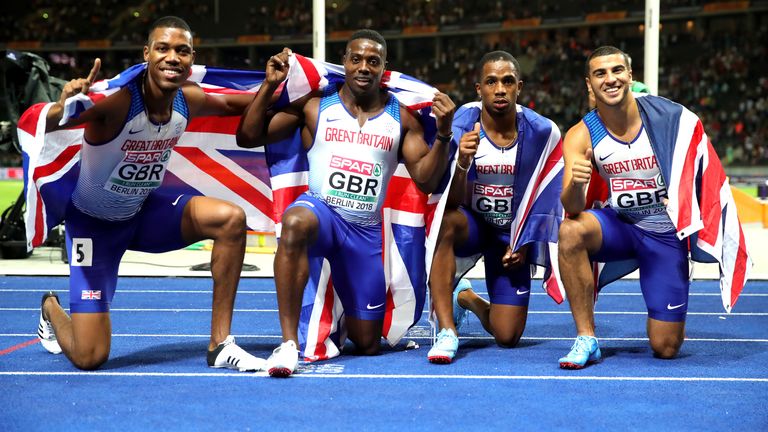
x: 139, y: 173
x: 352, y: 184
x: 493, y: 202
x: 639, y: 197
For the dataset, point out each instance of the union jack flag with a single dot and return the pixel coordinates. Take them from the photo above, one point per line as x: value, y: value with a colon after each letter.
x: 701, y: 205
x: 207, y: 161
x: 90, y: 295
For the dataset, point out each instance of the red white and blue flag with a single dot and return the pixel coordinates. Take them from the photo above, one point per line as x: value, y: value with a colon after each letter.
x: 263, y: 181
x: 701, y: 205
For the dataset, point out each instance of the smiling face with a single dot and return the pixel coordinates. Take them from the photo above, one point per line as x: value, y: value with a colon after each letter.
x: 169, y: 57
x: 609, y: 79
x: 364, y: 64
x: 499, y: 87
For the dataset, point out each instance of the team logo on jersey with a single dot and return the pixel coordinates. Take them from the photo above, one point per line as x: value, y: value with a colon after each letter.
x: 631, y: 184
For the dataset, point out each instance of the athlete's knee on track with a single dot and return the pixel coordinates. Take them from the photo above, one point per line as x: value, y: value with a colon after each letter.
x: 507, y: 338
x: 667, y: 346
x: 89, y: 358
x: 368, y: 345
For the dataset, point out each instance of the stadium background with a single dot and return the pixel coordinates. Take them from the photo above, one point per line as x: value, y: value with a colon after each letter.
x: 713, y: 59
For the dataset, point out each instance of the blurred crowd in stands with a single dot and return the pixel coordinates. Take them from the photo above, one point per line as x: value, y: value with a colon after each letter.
x: 722, y: 76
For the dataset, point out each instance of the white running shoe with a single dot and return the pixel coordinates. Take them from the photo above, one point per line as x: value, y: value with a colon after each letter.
x: 45, y: 330
x: 228, y: 355
x: 284, y: 360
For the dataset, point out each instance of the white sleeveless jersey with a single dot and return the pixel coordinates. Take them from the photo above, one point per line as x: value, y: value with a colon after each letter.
x: 350, y: 166
x: 631, y: 170
x: 116, y: 176
x: 491, y: 188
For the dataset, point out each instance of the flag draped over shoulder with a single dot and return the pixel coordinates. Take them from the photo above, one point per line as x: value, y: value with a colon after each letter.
x: 536, y: 192
x: 701, y: 205
x: 263, y: 181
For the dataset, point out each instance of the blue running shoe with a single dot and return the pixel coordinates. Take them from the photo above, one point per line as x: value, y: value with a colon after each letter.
x: 444, y: 349
x: 583, y: 352
x: 459, y: 313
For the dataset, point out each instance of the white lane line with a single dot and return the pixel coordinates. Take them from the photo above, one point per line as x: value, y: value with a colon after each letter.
x: 165, y: 291
x: 148, y: 291
x: 176, y: 310
x: 393, y: 376
x: 489, y: 338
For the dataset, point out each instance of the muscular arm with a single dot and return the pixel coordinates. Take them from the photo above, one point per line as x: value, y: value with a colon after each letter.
x: 577, y: 154
x: 259, y: 126
x: 203, y: 104
x: 427, y: 165
x: 466, y: 153
x: 72, y: 88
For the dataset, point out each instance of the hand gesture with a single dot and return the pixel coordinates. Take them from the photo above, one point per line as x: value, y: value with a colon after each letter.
x: 277, y: 67
x: 468, y: 147
x: 443, y: 109
x: 582, y: 168
x: 512, y: 259
x: 80, y: 85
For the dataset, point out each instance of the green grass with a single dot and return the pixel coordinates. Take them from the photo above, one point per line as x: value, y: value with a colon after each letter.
x: 9, y: 192
x: 750, y: 190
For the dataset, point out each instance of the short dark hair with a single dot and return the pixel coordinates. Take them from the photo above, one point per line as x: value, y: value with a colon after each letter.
x: 499, y: 56
x: 169, y: 21
x: 604, y: 51
x: 370, y: 35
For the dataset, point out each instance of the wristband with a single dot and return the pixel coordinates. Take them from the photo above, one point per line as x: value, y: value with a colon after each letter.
x: 444, y: 139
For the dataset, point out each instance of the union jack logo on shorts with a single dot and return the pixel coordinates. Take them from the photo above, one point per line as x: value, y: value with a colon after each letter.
x: 90, y: 295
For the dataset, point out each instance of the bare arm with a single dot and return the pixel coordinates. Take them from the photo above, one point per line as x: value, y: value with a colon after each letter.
x: 577, y: 154
x: 258, y: 126
x: 203, y: 104
x: 427, y: 165
x: 466, y: 154
x: 80, y: 85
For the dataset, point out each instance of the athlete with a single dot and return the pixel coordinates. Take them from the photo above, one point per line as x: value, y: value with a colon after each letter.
x: 482, y: 206
x: 128, y: 139
x: 354, y: 137
x: 630, y: 154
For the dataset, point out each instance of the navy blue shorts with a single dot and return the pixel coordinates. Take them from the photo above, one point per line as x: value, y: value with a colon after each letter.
x: 505, y: 286
x: 354, y: 254
x: 96, y: 246
x: 663, y: 260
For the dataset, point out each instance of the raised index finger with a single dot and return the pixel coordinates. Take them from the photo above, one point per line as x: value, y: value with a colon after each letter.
x: 94, y: 70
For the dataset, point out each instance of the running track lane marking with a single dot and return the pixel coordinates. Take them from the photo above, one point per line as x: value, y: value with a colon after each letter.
x: 534, y: 338
x: 732, y: 314
x: 19, y: 346
x: 379, y: 376
x: 163, y: 291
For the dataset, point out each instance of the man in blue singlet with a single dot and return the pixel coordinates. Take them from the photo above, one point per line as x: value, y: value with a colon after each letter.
x: 127, y: 142
x: 482, y: 208
x: 634, y: 226
x: 354, y: 137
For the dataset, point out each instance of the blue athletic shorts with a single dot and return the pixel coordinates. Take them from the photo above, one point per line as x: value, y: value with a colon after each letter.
x: 96, y: 246
x: 508, y: 287
x: 663, y: 262
x: 354, y: 254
